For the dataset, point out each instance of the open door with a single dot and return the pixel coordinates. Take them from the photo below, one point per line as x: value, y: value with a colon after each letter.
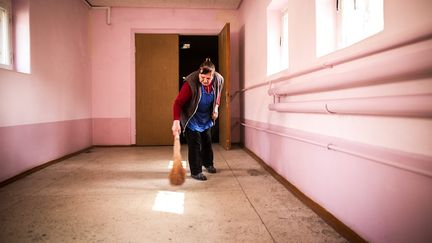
x: 156, y: 70
x: 224, y: 70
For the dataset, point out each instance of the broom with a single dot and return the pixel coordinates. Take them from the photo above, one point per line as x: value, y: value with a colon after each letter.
x: 178, y: 173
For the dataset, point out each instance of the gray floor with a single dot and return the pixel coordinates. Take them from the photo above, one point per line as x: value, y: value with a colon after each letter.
x: 122, y: 194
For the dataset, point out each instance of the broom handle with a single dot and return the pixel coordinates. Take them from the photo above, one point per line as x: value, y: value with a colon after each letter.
x: 176, y: 147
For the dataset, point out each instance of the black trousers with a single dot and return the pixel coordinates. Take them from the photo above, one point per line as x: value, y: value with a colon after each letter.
x: 200, y: 152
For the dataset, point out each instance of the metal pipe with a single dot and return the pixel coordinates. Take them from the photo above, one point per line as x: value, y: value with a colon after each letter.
x: 400, y: 106
x: 410, y: 41
x: 108, y: 13
x: 331, y: 146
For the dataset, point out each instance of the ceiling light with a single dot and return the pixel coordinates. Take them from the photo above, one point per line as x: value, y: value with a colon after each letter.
x: 185, y: 46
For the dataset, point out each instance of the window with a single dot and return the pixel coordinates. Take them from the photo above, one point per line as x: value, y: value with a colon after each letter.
x: 341, y: 23
x: 284, y: 51
x: 5, y: 34
x: 277, y: 37
x: 359, y: 19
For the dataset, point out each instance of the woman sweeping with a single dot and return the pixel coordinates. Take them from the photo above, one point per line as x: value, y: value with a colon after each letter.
x: 196, y: 110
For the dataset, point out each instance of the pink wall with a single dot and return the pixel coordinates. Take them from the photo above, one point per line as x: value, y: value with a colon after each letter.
x: 113, y: 63
x: 46, y: 114
x: 81, y: 92
x: 57, y: 89
x: 378, y: 200
x: 368, y: 192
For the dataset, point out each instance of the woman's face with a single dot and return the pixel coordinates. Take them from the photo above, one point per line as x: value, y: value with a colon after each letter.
x: 205, y: 79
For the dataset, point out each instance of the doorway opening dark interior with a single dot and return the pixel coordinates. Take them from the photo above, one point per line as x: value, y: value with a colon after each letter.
x: 194, y: 50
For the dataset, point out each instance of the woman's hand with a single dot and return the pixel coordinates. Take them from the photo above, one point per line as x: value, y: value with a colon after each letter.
x: 215, y: 113
x: 176, y: 129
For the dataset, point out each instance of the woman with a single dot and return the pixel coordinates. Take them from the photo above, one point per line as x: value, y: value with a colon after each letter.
x: 196, y: 110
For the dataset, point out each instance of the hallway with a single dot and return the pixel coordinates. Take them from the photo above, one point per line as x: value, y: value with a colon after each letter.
x: 122, y: 194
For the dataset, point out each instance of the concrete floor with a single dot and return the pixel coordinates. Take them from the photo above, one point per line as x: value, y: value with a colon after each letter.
x: 122, y: 194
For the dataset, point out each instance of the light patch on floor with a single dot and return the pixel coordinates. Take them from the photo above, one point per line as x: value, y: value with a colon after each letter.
x: 170, y: 202
x: 170, y: 164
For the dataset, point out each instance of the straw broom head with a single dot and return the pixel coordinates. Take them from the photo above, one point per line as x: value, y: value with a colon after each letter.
x: 177, y: 174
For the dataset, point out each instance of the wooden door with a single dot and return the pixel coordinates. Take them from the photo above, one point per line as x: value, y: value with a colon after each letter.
x: 156, y: 70
x: 224, y: 70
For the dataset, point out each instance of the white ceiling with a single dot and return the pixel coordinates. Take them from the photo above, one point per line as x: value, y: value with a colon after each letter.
x: 207, y: 4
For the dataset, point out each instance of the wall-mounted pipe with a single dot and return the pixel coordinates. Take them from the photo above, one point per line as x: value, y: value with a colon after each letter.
x: 400, y: 106
x: 407, y: 63
x: 108, y: 13
x: 423, y: 36
x: 108, y: 10
x: 415, y: 164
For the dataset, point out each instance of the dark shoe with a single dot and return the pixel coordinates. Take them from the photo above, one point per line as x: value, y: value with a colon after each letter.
x: 200, y: 177
x: 211, y: 169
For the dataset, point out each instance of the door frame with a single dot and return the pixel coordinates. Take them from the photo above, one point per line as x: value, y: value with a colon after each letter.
x: 132, y: 63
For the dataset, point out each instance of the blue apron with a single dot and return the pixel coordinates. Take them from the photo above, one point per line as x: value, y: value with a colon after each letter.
x: 201, y: 120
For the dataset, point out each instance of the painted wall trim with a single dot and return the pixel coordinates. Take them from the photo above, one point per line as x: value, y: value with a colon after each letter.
x: 414, y: 163
x: 401, y: 106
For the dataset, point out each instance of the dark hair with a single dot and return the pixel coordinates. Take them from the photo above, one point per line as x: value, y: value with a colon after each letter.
x: 207, y: 67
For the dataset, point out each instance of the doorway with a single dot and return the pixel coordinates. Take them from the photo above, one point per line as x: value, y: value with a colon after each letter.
x: 193, y: 50
x: 157, y: 79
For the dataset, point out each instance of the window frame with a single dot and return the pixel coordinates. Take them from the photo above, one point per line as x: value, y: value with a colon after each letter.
x: 346, y: 12
x: 277, y: 37
x: 334, y: 24
x: 284, y: 43
x: 6, y: 62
